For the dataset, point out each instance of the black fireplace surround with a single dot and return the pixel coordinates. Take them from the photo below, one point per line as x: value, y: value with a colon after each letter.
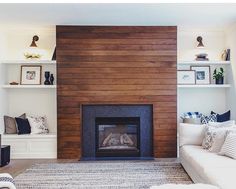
x: 117, y: 132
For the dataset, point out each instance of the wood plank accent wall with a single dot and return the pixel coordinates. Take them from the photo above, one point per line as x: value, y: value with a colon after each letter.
x: 116, y: 65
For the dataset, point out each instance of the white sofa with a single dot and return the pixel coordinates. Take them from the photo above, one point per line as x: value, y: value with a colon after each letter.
x: 201, y: 165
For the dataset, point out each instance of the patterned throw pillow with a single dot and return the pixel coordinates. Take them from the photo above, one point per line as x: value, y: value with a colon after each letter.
x: 207, y: 140
x: 38, y: 124
x: 229, y: 147
x: 192, y: 115
x: 211, y: 139
x: 8, y: 181
x: 207, y: 119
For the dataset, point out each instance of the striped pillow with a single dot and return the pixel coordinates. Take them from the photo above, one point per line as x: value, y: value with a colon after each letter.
x: 229, y: 147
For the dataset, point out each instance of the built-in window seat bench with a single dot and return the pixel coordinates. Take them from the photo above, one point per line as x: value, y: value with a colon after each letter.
x: 31, y: 146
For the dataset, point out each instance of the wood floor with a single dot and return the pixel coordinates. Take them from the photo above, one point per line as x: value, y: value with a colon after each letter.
x: 20, y: 165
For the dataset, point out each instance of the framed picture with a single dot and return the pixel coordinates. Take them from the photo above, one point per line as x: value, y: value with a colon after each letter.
x: 31, y: 75
x: 202, y: 74
x: 186, y: 77
x: 54, y: 54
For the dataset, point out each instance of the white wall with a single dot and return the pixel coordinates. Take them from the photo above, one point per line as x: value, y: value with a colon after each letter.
x: 19, y: 39
x: 31, y: 101
x: 213, y: 40
x: 231, y: 94
x: 3, y: 96
x: 201, y: 99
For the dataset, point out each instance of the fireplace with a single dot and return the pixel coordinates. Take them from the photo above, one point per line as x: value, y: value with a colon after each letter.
x: 117, y: 132
x: 117, y: 136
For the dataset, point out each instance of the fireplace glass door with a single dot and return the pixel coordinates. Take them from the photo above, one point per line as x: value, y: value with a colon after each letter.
x: 117, y: 136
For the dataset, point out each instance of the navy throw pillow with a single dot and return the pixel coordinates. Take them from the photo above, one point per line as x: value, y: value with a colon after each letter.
x: 23, y: 126
x: 222, y: 117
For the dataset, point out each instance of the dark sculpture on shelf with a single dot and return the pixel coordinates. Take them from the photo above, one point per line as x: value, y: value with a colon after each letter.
x: 51, y: 79
x: 47, y: 75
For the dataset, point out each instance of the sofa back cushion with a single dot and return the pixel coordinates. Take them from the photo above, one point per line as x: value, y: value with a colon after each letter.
x: 191, y: 134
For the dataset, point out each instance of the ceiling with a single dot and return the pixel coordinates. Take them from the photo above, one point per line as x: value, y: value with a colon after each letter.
x: 210, y: 15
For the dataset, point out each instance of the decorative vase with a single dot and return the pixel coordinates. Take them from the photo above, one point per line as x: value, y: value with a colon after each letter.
x: 51, y: 79
x: 224, y: 55
x: 220, y: 81
x: 47, y: 75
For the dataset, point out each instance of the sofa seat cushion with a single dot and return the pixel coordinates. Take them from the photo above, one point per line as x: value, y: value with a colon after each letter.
x: 222, y: 177
x: 217, y: 170
x: 183, y: 186
x: 202, y: 160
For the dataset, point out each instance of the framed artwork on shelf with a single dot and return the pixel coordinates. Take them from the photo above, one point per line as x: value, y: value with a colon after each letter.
x: 54, y: 54
x: 202, y: 74
x: 31, y: 75
x: 186, y: 77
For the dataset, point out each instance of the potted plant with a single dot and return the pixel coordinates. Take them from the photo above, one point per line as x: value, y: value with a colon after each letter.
x: 219, y: 76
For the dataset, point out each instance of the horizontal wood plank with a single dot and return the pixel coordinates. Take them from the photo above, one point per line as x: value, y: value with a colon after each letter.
x: 116, y: 65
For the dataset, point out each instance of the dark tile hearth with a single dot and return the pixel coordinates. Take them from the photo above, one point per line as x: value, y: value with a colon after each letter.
x: 117, y: 132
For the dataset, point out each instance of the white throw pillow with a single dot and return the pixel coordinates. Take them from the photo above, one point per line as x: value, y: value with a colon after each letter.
x: 222, y: 124
x: 191, y: 134
x: 38, y: 124
x: 210, y: 132
x: 218, y: 138
x: 229, y: 147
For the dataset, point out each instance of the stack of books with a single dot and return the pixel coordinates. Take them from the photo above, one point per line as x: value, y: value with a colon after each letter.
x: 201, y: 57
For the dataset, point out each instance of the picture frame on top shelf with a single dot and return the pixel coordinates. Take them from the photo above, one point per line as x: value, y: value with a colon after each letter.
x: 202, y: 74
x: 30, y: 75
x: 54, y: 56
x: 186, y: 77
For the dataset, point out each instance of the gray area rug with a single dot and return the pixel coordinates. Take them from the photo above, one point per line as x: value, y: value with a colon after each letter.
x: 101, y: 175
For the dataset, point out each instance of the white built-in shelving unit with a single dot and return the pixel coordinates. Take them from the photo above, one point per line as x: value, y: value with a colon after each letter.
x: 29, y: 86
x: 12, y: 67
x: 186, y: 65
x: 205, y: 86
x: 30, y: 99
x: 202, y: 63
x: 27, y: 62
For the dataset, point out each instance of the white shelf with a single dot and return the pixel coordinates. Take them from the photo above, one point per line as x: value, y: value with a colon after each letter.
x: 203, y: 63
x: 29, y: 136
x: 36, y: 62
x: 29, y: 86
x: 205, y: 86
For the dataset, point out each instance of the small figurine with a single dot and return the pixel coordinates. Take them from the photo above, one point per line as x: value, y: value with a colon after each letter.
x: 47, y: 75
x: 51, y: 79
x: 224, y: 55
